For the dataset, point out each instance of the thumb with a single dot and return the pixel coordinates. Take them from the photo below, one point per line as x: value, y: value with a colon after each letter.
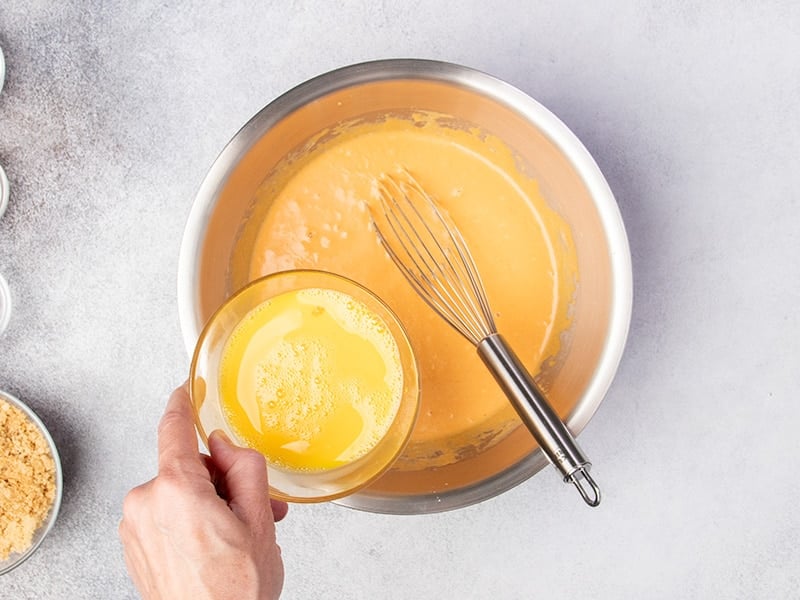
x: 245, y: 479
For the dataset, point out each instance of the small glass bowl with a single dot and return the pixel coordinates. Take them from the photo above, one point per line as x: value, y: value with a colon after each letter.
x: 286, y: 484
x: 17, y: 559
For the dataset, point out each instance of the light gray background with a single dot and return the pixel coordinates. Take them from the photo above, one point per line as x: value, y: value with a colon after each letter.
x: 113, y: 111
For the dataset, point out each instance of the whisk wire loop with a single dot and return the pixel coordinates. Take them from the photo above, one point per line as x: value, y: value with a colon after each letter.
x: 443, y: 272
x: 421, y: 276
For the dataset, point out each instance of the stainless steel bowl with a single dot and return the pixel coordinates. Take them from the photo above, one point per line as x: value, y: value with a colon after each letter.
x: 568, y: 177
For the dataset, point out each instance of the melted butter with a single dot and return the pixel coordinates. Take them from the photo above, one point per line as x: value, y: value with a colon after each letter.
x: 311, y: 378
x: 311, y: 214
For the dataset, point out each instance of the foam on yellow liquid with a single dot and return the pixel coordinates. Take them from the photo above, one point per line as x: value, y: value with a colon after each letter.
x: 310, y: 214
x: 311, y: 378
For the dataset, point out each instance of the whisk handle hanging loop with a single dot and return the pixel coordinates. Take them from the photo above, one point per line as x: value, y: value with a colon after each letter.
x: 536, y: 413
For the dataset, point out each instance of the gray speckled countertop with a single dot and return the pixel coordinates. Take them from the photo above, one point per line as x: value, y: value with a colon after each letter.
x: 113, y: 111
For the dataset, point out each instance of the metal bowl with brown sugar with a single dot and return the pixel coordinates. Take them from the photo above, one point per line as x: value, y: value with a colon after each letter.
x: 570, y: 181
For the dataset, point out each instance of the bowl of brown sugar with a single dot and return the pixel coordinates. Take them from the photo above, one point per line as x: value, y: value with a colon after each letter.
x: 30, y: 482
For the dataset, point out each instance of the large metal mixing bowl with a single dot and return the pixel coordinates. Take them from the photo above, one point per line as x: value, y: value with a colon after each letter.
x: 568, y: 177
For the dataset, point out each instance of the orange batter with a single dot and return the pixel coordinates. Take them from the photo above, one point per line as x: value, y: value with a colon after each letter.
x: 311, y: 213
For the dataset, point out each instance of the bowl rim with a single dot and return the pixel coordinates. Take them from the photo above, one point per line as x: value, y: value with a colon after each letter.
x: 6, y: 304
x: 505, y: 94
x: 5, y: 191
x: 43, y: 531
x: 2, y: 69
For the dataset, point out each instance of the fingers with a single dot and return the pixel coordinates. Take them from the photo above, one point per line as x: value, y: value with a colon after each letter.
x: 279, y: 509
x: 238, y: 474
x: 245, y: 474
x: 177, y: 440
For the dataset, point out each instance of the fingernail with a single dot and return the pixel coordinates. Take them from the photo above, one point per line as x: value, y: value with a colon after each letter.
x: 218, y: 433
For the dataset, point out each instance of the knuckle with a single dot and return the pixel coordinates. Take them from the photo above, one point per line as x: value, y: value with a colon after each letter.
x: 169, y: 419
x: 122, y: 530
x: 169, y: 483
x: 252, y: 458
x: 132, y: 502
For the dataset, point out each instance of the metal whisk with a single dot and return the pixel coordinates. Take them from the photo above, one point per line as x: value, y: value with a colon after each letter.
x: 431, y: 253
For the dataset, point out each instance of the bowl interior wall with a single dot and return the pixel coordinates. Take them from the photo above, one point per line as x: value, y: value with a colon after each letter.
x: 268, y: 141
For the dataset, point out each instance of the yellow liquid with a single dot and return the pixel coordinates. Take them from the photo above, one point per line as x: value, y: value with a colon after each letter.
x: 311, y: 215
x: 312, y: 379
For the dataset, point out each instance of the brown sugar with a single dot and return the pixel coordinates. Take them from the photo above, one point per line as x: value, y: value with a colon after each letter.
x: 27, y: 480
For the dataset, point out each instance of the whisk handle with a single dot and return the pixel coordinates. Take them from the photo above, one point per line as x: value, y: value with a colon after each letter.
x: 535, y: 411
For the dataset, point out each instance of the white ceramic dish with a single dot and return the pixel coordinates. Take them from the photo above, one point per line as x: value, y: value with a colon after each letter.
x: 5, y: 305
x: 2, y: 69
x: 4, y: 191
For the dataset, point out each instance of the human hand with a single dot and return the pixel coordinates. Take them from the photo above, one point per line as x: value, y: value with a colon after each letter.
x: 204, y: 528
